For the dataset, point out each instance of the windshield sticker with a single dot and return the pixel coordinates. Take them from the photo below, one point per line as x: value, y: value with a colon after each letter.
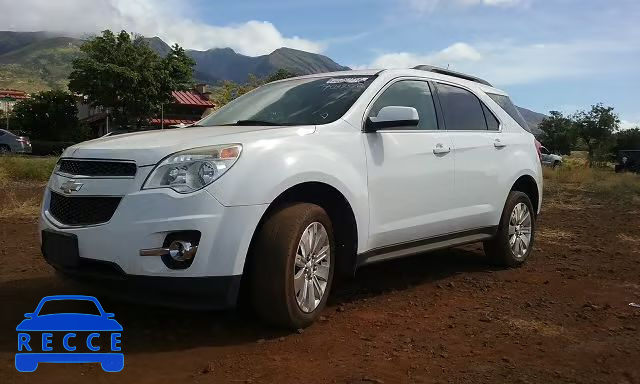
x: 348, y: 80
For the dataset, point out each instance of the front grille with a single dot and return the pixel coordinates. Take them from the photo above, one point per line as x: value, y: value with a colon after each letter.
x: 97, y: 168
x: 83, y: 210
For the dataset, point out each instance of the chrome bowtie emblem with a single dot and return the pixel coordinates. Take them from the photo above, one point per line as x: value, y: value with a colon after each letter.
x: 71, y: 186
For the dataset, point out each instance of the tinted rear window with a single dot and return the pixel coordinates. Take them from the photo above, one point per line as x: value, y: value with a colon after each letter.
x: 505, y: 103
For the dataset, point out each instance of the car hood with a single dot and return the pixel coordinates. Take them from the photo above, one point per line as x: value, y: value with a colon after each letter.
x: 149, y: 147
x: 69, y: 322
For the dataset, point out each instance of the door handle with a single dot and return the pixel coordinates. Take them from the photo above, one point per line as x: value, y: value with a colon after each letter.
x: 440, y: 149
x: 499, y: 144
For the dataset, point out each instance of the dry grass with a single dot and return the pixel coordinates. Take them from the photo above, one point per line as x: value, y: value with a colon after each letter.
x: 14, y: 206
x: 24, y: 168
x: 538, y: 327
x: 602, y: 182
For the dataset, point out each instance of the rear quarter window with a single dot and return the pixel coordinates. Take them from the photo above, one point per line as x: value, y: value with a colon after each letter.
x: 505, y: 103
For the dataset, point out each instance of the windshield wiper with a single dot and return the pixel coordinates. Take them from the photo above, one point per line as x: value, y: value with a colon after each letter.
x: 255, y: 122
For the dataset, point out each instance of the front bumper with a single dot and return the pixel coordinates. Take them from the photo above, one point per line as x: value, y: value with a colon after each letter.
x: 109, y: 253
x: 106, y: 278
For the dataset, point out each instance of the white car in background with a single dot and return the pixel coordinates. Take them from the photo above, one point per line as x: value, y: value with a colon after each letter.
x: 293, y: 183
x: 549, y: 159
x: 12, y: 143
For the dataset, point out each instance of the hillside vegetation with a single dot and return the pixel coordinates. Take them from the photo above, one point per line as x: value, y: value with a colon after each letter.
x: 36, y: 61
x: 40, y: 64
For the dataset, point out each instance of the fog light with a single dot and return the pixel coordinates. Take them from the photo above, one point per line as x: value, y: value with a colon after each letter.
x: 182, y: 250
x: 178, y: 251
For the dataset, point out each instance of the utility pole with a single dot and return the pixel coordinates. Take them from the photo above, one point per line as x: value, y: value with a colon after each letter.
x: 161, y: 116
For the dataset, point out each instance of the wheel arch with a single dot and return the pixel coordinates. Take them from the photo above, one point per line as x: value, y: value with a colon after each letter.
x: 527, y: 184
x: 340, y: 211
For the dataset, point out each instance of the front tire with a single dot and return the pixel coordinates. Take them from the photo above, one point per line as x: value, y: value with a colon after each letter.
x: 513, y: 243
x: 293, y: 266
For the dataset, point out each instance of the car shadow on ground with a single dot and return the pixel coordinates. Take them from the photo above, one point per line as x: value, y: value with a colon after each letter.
x: 154, y: 329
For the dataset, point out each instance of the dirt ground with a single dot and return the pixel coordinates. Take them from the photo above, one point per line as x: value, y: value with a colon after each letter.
x: 443, y: 317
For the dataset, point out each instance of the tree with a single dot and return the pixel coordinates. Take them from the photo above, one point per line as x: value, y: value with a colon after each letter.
x: 229, y: 90
x: 48, y: 116
x: 281, y: 74
x: 124, y: 75
x: 557, y: 133
x: 595, y: 128
x: 179, y: 68
x: 627, y: 139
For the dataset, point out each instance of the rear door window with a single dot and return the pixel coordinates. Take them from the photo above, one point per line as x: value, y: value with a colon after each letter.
x: 492, y: 122
x: 461, y: 109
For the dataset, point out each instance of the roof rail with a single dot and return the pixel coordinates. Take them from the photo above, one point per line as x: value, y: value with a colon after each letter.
x: 443, y: 71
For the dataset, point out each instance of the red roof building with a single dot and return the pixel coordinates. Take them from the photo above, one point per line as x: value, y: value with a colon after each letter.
x: 9, y: 97
x: 193, y: 99
x: 187, y: 108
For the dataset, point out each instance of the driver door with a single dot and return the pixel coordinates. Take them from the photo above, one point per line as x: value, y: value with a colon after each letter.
x: 410, y: 170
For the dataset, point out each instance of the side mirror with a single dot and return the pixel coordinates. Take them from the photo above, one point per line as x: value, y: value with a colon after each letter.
x: 109, y: 315
x: 28, y: 315
x: 393, y: 116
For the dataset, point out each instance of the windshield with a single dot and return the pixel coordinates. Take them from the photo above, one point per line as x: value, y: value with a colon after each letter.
x: 311, y: 101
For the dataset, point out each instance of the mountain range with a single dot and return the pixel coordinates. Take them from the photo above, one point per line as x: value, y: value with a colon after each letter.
x: 36, y: 61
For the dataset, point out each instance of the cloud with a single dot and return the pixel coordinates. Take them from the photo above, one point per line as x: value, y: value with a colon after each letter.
x: 508, y: 63
x: 458, y: 52
x: 626, y: 124
x: 162, y: 18
x: 428, y: 6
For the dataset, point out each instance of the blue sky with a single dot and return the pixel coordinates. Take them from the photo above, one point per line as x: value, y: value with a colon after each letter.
x: 562, y: 54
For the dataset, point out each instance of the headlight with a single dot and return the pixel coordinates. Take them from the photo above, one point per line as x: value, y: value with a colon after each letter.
x: 193, y: 169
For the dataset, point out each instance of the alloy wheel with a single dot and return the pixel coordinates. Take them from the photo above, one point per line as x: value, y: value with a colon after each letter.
x: 520, y: 227
x: 312, y: 266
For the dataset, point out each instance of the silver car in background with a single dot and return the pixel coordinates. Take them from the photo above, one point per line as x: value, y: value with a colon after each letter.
x: 549, y: 159
x: 12, y: 143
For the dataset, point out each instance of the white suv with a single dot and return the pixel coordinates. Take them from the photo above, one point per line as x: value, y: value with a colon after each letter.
x: 294, y: 183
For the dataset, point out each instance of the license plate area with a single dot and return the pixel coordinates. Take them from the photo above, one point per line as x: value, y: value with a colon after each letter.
x: 60, y: 248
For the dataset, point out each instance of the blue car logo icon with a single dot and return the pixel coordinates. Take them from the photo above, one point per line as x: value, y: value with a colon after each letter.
x: 97, y: 333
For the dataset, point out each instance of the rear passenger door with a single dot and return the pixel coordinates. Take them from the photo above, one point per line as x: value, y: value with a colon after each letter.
x: 478, y: 155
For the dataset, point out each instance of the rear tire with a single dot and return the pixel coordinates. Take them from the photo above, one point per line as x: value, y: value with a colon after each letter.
x: 513, y: 243
x: 556, y: 164
x: 4, y: 149
x: 286, y: 287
